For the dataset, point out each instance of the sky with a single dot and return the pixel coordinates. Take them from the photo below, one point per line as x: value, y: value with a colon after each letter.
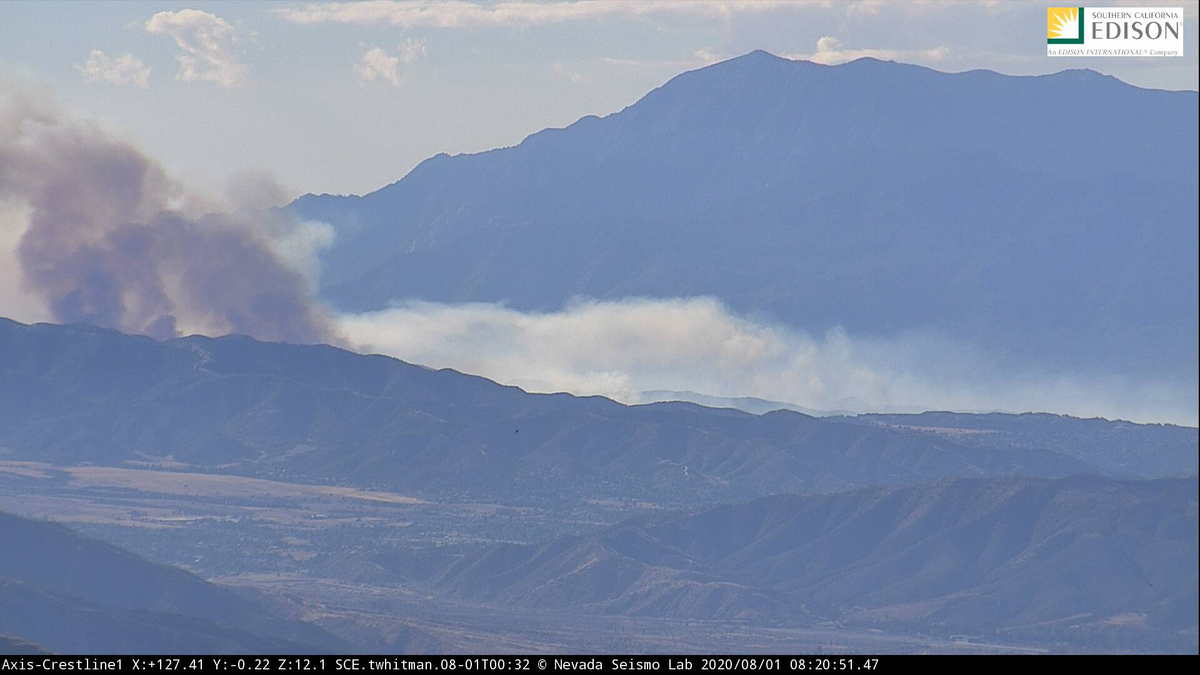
x: 348, y: 97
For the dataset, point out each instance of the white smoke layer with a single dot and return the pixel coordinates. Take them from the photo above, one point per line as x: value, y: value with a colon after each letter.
x: 620, y: 349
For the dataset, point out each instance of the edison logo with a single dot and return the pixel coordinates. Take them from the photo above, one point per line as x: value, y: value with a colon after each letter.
x: 1064, y: 25
x: 1114, y: 31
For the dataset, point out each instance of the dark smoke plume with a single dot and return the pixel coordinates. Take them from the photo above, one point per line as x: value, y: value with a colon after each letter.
x: 107, y: 241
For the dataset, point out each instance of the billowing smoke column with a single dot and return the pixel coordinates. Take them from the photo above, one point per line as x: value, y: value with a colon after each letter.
x: 107, y: 241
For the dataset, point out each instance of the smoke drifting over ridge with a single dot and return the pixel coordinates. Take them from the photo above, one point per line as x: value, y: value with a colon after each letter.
x: 107, y: 238
x: 622, y: 348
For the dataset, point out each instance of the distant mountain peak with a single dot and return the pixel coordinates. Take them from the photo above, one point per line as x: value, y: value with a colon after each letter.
x: 800, y: 190
x: 757, y: 55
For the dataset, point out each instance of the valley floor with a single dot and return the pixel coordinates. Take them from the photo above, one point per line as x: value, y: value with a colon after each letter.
x: 373, y: 613
x: 354, y: 561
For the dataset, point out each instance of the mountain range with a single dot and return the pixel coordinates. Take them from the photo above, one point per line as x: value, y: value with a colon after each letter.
x: 1081, y: 560
x: 1047, y: 220
x: 1120, y: 447
x: 1028, y: 529
x: 79, y: 394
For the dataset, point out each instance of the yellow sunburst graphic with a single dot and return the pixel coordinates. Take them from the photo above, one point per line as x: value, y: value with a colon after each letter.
x: 1062, y: 23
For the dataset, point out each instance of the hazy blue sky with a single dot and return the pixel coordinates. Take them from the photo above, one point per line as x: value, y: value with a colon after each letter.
x: 349, y: 97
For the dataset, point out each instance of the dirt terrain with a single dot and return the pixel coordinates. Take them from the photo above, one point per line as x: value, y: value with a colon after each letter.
x: 353, y: 561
